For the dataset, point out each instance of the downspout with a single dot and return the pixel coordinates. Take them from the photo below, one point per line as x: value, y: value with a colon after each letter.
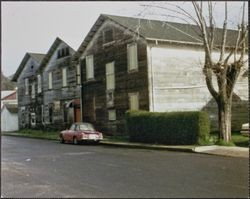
x: 81, y: 91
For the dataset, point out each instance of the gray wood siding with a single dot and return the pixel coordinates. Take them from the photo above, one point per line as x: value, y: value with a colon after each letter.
x: 125, y: 82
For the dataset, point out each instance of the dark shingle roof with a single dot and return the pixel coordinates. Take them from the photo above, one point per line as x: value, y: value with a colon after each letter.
x: 171, y: 31
x: 158, y: 30
x: 37, y: 56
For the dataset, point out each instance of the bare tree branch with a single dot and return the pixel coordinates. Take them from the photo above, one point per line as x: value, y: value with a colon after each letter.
x: 224, y: 36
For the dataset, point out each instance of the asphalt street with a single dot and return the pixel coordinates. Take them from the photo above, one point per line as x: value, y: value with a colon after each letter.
x: 41, y: 168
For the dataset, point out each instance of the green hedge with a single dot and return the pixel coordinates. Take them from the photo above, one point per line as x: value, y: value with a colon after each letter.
x: 174, y: 128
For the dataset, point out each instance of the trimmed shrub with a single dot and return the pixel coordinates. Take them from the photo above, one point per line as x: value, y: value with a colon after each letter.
x: 173, y: 128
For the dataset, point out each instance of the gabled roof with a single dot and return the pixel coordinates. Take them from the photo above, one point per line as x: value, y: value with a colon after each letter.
x: 11, y: 96
x: 6, y: 93
x: 157, y: 30
x: 36, y: 56
x: 51, y: 51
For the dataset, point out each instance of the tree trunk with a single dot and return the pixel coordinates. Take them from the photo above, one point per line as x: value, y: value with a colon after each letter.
x: 224, y: 116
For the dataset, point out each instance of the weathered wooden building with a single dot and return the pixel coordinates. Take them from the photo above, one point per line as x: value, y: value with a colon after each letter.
x: 129, y: 63
x: 60, y: 91
x: 27, y: 84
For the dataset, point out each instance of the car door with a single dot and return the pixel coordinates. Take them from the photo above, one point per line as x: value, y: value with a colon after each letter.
x: 70, y: 132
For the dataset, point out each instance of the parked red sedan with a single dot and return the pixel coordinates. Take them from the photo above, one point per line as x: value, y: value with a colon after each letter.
x: 80, y: 132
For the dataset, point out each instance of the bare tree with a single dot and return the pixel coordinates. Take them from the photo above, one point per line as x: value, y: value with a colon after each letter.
x: 225, y: 70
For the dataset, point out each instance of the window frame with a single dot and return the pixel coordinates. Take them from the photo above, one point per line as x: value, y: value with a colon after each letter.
x: 110, y: 75
x: 132, y: 67
x: 78, y: 74
x: 130, y: 101
x: 33, y: 91
x: 50, y: 80
x: 114, y: 118
x: 26, y: 82
x: 39, y: 83
x: 90, y: 72
x: 64, y: 77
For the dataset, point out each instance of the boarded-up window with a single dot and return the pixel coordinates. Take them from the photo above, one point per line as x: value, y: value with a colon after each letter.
x: 78, y: 74
x: 110, y: 76
x: 33, y: 90
x: 64, y: 77
x: 89, y: 67
x: 132, y: 57
x: 108, y: 36
x: 39, y: 84
x: 50, y: 80
x: 112, y: 115
x: 134, y: 101
x: 26, y: 86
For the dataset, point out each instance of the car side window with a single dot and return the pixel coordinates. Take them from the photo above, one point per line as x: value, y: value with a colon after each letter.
x: 72, y: 128
x: 77, y: 127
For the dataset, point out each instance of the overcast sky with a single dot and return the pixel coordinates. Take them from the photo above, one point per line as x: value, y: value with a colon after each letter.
x: 33, y: 26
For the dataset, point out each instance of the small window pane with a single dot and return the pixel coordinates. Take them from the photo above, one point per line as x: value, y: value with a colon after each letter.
x: 50, y: 80
x: 39, y: 84
x: 26, y: 86
x: 112, y: 115
x: 78, y: 75
x: 134, y: 101
x: 89, y: 67
x: 64, y: 77
x: 132, y: 57
x: 110, y: 76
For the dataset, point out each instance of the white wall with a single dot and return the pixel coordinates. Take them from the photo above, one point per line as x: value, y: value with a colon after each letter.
x: 9, y: 121
x: 176, y: 81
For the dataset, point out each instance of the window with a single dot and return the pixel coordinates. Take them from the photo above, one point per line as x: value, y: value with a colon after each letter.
x: 134, y: 101
x: 110, y: 76
x: 132, y: 57
x: 110, y: 98
x: 33, y: 119
x: 64, y: 77
x: 67, y: 51
x: 42, y: 114
x: 112, y: 115
x: 107, y: 36
x: 89, y: 67
x: 39, y: 84
x: 50, y: 80
x: 78, y: 74
x: 33, y: 90
x: 26, y: 86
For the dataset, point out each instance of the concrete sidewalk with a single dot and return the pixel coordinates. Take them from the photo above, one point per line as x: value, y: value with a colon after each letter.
x: 241, y: 152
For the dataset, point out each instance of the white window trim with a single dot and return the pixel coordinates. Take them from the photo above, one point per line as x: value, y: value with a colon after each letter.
x: 90, y: 67
x: 130, y: 102
x: 64, y: 77
x: 134, y: 67
x: 33, y: 115
x: 78, y: 74
x: 39, y: 84
x: 112, y: 115
x: 50, y: 80
x: 26, y: 86
x: 110, y: 74
x: 33, y: 91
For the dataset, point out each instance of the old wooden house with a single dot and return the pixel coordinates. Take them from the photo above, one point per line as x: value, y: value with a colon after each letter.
x: 60, y: 90
x: 130, y: 63
x: 27, y: 83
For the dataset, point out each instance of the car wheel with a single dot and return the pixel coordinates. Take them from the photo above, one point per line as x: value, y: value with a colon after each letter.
x: 61, y: 139
x: 75, y: 141
x: 97, y: 142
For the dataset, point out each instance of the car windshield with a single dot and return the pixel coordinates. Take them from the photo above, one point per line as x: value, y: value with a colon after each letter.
x: 86, y: 127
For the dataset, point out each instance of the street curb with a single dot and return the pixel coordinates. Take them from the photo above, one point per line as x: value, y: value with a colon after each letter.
x: 147, y: 146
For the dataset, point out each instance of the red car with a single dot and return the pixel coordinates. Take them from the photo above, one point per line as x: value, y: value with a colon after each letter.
x: 80, y: 132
